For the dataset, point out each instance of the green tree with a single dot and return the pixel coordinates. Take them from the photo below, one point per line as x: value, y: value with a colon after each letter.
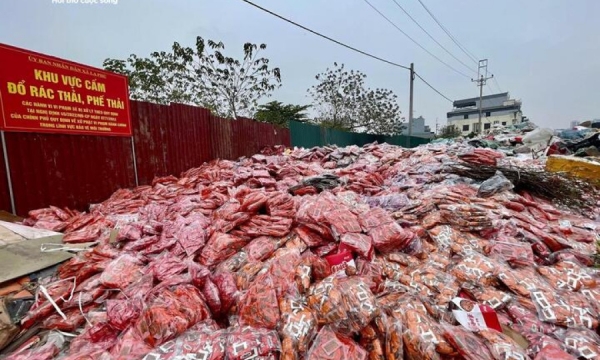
x: 201, y: 75
x: 449, y: 132
x: 275, y: 112
x: 344, y: 102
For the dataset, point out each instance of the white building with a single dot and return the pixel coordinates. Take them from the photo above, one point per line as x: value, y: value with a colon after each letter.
x: 497, y: 109
x: 419, y: 129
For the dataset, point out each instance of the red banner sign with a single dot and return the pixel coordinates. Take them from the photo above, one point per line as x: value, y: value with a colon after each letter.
x: 40, y: 93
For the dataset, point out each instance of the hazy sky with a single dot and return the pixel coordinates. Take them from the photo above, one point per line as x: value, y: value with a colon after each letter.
x: 544, y: 52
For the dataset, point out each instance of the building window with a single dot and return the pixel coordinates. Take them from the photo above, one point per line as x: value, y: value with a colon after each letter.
x: 466, y: 116
x: 466, y: 127
x: 496, y: 122
x: 488, y: 114
x: 504, y: 123
x: 486, y: 126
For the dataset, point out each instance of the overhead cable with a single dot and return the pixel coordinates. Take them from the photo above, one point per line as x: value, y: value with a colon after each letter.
x: 434, y: 89
x: 432, y: 38
x: 325, y: 36
x: 448, y: 33
x: 344, y: 45
x: 415, y: 42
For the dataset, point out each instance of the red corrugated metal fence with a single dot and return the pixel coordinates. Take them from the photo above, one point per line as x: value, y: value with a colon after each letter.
x: 74, y: 171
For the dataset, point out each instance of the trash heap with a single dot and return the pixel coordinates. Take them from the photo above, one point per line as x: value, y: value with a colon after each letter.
x: 527, y: 140
x: 326, y: 253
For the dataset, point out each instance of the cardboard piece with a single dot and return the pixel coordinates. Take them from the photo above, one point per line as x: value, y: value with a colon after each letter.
x: 518, y: 338
x: 8, y: 330
x: 574, y: 166
x: 20, y: 255
x: 6, y: 216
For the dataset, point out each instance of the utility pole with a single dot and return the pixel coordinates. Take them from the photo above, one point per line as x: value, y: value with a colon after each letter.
x: 482, y: 78
x: 410, y: 103
x: 436, y: 126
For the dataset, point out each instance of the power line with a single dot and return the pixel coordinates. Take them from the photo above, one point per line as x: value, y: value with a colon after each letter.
x: 432, y: 88
x: 325, y: 36
x: 414, y: 41
x: 497, y: 85
x: 448, y: 33
x: 344, y: 45
x: 431, y: 37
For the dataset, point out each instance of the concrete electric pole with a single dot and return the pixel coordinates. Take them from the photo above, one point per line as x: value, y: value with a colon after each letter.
x: 482, y: 78
x: 410, y: 104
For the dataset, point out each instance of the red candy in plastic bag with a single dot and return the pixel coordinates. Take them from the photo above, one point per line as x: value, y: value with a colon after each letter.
x: 121, y: 313
x: 328, y: 346
x: 390, y: 237
x: 359, y: 243
x: 220, y: 247
x: 252, y: 343
x: 121, y: 272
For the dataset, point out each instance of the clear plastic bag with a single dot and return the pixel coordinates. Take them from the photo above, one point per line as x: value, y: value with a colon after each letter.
x: 43, y: 347
x: 494, y: 185
x: 251, y: 343
x: 298, y: 327
x: 331, y: 346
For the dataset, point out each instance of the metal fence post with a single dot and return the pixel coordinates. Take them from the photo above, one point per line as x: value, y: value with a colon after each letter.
x: 135, y: 171
x: 8, y: 177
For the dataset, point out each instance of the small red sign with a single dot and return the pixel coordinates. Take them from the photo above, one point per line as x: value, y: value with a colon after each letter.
x: 40, y: 93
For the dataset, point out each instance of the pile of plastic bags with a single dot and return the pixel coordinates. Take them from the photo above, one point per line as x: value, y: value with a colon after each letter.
x: 327, y: 253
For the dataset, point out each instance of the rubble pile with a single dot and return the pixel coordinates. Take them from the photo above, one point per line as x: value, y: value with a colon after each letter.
x: 327, y: 253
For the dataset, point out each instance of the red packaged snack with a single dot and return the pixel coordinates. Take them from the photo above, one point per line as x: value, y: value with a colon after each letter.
x: 553, y: 352
x: 97, y: 338
x: 516, y: 254
x: 422, y: 338
x: 60, y: 291
x: 130, y: 346
x: 341, y: 261
x: 310, y: 237
x: 220, y: 247
x: 245, y: 276
x: 121, y: 272
x: 342, y: 221
x: 251, y: 343
x: 166, y: 265
x: 43, y: 347
x: 470, y: 346
x: 476, y: 268
x: 254, y: 201
x: 298, y: 328
x: 260, y: 248
x: 281, y: 204
x: 203, y: 341
x: 538, y: 342
x: 259, y: 307
x: 121, y: 313
x: 162, y: 319
x: 359, y: 243
x: 326, y: 299
x: 192, y: 236
x: 228, y: 292
x: 198, y: 273
x: 583, y: 343
x: 359, y: 304
x: 374, y: 218
x: 328, y: 346
x: 570, y: 310
x: 211, y: 294
x: 390, y: 237
x: 394, y: 346
x: 501, y: 346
